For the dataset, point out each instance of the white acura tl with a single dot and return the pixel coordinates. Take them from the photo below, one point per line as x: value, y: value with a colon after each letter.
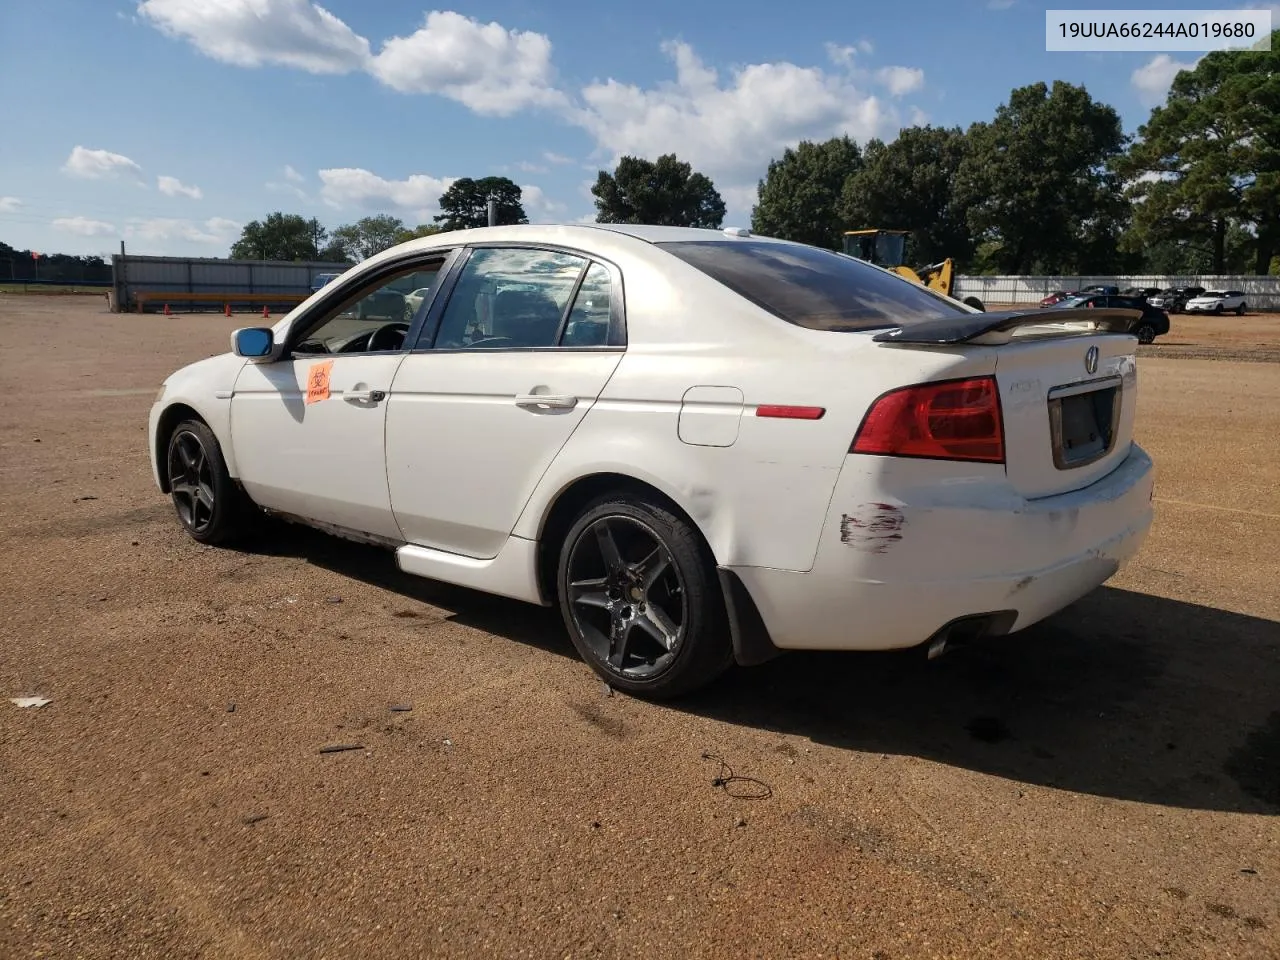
x: 703, y: 446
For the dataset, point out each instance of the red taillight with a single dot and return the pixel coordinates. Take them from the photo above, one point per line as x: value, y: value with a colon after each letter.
x: 949, y: 420
x: 790, y: 413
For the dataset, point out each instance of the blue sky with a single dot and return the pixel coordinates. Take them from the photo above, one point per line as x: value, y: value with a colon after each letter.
x: 170, y: 123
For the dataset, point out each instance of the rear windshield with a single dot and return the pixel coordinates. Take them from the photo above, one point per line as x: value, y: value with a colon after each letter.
x: 811, y: 287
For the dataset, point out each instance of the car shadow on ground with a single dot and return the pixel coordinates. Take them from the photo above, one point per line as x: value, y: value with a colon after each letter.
x: 1122, y: 695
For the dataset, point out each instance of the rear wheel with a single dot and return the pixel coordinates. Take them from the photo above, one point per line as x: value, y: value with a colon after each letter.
x: 210, y: 507
x: 640, y: 598
x: 1146, y: 333
x: 1240, y: 310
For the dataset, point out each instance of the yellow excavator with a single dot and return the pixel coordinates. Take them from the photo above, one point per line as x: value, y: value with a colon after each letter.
x: 887, y: 248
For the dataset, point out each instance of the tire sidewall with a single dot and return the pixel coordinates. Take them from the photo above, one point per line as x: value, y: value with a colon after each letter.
x: 1148, y: 329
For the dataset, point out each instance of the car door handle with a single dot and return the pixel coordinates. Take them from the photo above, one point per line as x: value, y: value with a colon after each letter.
x: 374, y: 396
x: 546, y: 400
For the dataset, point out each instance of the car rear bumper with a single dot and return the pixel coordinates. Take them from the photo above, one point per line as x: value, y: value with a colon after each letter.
x: 932, y: 564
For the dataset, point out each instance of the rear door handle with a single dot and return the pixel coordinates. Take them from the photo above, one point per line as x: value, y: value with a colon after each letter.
x: 546, y: 400
x: 374, y: 396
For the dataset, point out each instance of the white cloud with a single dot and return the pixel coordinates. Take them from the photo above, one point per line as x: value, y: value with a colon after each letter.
x: 556, y: 158
x: 918, y: 117
x: 418, y: 194
x: 251, y: 33
x: 84, y: 227
x: 173, y: 187
x: 290, y: 188
x: 486, y: 67
x: 292, y: 174
x: 841, y: 55
x: 728, y: 131
x: 98, y: 164
x: 1152, y: 79
x: 538, y: 206
x: 215, y: 230
x: 9, y: 204
x: 901, y: 80
x: 528, y: 167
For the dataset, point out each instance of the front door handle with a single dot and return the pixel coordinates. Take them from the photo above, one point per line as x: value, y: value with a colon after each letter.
x: 546, y: 400
x: 369, y: 396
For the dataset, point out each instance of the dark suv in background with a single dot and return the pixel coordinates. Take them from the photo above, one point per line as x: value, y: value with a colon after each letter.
x: 1174, y: 299
x: 1153, y: 323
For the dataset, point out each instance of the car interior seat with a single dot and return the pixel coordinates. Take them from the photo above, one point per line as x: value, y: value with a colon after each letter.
x: 526, y: 317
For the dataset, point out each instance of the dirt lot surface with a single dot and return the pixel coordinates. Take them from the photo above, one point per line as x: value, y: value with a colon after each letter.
x: 1106, y: 784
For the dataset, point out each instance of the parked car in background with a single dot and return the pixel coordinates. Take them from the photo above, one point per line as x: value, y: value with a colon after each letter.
x: 1153, y: 323
x: 1174, y: 299
x: 1217, y: 302
x: 1100, y: 289
x: 1058, y: 297
x: 1144, y: 293
x: 700, y: 446
x: 322, y: 280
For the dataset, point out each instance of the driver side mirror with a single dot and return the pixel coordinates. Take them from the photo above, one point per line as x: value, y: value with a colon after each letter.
x: 253, y: 342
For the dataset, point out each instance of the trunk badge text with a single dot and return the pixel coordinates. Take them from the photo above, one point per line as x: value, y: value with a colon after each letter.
x: 1091, y: 360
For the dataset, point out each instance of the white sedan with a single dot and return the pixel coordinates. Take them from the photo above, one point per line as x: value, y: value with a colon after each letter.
x: 704, y: 447
x: 1218, y: 301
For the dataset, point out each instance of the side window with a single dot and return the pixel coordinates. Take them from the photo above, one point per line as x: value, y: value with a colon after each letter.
x: 588, y: 324
x: 513, y: 297
x: 375, y: 316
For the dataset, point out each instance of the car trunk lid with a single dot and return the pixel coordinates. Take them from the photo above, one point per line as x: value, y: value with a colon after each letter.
x: 1067, y: 387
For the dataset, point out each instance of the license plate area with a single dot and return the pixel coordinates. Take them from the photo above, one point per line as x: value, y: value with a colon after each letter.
x: 1084, y: 419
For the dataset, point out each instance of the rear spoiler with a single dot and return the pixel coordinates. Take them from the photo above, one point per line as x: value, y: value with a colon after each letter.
x: 998, y: 327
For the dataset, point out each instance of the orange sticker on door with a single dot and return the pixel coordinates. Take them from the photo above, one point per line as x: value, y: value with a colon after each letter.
x: 318, y: 381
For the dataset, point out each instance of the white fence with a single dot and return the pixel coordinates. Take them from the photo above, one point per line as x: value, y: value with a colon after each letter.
x: 1261, y: 293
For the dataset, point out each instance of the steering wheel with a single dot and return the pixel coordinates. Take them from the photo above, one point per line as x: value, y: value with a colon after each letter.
x: 387, y: 337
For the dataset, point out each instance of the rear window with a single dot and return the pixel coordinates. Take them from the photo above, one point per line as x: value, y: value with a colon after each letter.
x: 811, y: 287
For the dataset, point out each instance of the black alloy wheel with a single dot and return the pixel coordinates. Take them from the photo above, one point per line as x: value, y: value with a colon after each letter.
x: 209, y: 504
x: 641, y: 599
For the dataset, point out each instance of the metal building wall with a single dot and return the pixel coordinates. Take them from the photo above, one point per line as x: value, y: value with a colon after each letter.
x: 241, y: 281
x: 1261, y: 293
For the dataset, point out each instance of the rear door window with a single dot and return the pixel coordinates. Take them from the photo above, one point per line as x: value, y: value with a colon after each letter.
x: 814, y: 288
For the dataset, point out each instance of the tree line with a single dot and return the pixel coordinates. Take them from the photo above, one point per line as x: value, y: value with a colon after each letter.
x: 1050, y: 185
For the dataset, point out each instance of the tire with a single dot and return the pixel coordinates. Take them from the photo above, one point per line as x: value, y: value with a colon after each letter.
x: 1146, y: 333
x: 213, y: 510
x: 1217, y: 311
x: 1240, y: 309
x: 660, y: 598
x: 975, y: 303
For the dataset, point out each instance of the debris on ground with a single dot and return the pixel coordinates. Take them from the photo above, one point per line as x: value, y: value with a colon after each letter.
x: 341, y: 747
x: 401, y: 707
x: 753, y: 789
x: 81, y: 499
x: 250, y: 820
x: 25, y: 702
x: 332, y: 599
x: 607, y: 690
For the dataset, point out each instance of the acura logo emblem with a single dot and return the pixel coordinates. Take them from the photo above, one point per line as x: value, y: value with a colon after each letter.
x: 1091, y: 360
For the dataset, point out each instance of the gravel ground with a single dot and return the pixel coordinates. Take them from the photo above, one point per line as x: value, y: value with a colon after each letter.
x: 1106, y: 784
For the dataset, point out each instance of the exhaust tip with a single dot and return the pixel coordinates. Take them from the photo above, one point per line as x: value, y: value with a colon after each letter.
x: 968, y: 629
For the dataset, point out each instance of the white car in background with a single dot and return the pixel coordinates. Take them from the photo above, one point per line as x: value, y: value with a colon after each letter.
x: 1218, y: 301
x: 702, y: 446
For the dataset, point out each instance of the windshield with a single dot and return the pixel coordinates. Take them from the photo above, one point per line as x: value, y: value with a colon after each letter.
x: 1215, y: 294
x: 814, y: 288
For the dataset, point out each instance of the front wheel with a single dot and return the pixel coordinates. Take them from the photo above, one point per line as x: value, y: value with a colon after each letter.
x: 640, y: 598
x: 1146, y: 333
x: 210, y: 507
x: 1240, y: 310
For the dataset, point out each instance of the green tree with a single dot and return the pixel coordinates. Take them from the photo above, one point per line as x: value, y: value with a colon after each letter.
x: 421, y: 230
x: 666, y: 192
x: 466, y: 203
x: 1036, y: 185
x: 799, y: 195
x: 280, y: 236
x: 368, y: 236
x: 1211, y: 156
x: 909, y: 184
